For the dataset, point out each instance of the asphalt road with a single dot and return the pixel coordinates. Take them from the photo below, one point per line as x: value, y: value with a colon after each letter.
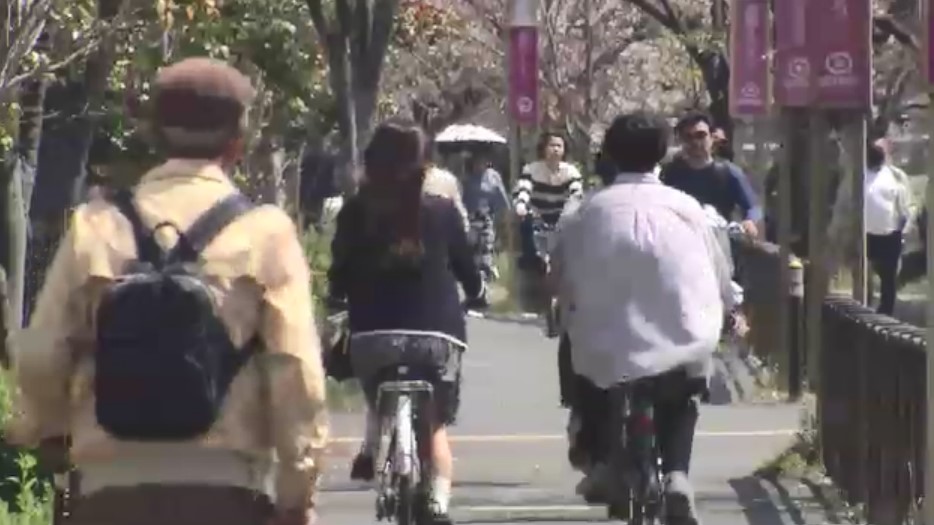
x: 510, y: 450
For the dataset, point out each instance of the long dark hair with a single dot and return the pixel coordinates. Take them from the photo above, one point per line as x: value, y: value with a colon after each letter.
x: 391, y: 193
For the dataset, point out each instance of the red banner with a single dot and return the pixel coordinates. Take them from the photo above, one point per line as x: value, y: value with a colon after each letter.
x: 823, y: 53
x: 749, y: 68
x: 523, y: 75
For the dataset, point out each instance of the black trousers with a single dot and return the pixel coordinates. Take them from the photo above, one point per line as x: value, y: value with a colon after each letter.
x: 675, y: 406
x: 884, y: 253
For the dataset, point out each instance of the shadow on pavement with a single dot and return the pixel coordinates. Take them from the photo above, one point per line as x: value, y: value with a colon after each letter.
x: 777, y: 501
x: 494, y: 520
x: 758, y: 505
x: 833, y: 514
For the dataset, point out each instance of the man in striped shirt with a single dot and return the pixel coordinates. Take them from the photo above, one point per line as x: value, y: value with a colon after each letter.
x: 543, y: 189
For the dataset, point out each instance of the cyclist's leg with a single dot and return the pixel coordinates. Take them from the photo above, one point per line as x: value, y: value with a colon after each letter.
x: 370, y: 357
x: 364, y: 464
x: 676, y: 417
x: 527, y: 237
x: 438, y: 362
x: 593, y: 445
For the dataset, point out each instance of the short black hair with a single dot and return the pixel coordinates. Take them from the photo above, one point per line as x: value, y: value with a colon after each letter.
x: 545, y: 138
x: 875, y: 156
x: 636, y: 142
x: 692, y: 118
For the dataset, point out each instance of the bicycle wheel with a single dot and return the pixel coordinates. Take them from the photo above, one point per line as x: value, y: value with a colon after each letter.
x: 407, y: 467
x: 423, y: 444
x: 405, y: 501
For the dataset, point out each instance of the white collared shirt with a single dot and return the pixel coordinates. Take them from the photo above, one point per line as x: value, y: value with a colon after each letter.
x: 643, y: 283
x: 887, y: 201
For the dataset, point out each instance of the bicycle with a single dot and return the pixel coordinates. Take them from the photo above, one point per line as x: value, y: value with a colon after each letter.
x: 635, y: 457
x: 405, y: 476
x: 544, y: 238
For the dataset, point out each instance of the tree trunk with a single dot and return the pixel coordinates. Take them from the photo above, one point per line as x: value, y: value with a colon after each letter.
x: 53, y: 197
x: 13, y: 231
x: 32, y: 102
x: 19, y: 294
x: 342, y: 83
x: 291, y: 183
x: 716, y: 72
x: 266, y: 168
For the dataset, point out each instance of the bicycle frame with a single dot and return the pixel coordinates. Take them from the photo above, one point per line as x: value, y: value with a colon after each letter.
x: 404, y: 476
x: 544, y: 240
x: 636, y: 458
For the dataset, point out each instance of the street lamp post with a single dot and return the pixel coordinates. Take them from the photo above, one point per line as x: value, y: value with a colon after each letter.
x: 521, y: 42
x: 522, y: 72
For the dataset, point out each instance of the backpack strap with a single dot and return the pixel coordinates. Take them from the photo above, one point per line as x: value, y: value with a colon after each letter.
x: 209, y: 225
x: 148, y: 250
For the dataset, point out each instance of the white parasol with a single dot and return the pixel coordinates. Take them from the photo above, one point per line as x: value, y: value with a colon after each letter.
x: 468, y: 133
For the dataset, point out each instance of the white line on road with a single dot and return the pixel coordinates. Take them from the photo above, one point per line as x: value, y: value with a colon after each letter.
x: 526, y: 438
x: 527, y: 508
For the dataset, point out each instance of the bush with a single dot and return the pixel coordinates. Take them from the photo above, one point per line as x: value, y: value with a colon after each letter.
x: 342, y: 396
x: 25, y: 489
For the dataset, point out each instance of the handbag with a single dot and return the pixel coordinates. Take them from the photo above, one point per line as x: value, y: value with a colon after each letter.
x: 337, y: 363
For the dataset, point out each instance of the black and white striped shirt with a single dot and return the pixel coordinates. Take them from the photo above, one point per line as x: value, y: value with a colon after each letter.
x: 544, y: 191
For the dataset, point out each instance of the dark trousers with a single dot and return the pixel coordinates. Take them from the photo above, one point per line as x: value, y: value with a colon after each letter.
x: 883, y: 253
x: 675, y: 407
x: 527, y: 240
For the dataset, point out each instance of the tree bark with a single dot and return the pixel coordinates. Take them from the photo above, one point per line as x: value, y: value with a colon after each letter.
x: 355, y: 44
x: 48, y: 221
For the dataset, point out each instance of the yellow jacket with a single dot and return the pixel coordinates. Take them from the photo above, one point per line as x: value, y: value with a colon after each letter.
x: 258, y: 270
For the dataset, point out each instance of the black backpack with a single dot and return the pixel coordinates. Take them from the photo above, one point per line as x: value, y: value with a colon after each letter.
x: 164, y: 360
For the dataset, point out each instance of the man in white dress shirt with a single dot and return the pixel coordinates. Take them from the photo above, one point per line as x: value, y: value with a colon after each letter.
x: 643, y: 285
x: 887, y: 209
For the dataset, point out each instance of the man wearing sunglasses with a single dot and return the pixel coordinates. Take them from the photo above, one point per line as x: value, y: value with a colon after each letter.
x: 719, y: 183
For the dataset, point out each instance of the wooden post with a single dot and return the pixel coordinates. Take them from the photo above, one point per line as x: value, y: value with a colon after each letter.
x: 857, y: 152
x: 816, y: 276
x: 523, y: 98
x: 787, y: 120
x: 927, y: 510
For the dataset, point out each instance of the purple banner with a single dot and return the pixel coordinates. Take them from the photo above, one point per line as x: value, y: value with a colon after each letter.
x: 842, y: 52
x: 523, y: 75
x: 749, y: 68
x: 794, y: 78
x: 823, y: 53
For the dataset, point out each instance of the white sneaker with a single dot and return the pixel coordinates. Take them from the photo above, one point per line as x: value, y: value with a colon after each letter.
x: 679, y: 499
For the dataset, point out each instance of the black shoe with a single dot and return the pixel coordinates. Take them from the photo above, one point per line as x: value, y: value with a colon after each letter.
x: 363, y: 468
x: 439, y: 518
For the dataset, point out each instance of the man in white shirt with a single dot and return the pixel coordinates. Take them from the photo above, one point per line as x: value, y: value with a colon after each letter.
x: 887, y: 209
x: 643, y: 286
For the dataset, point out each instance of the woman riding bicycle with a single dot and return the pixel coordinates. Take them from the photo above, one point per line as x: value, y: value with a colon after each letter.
x: 543, y: 190
x: 398, y: 255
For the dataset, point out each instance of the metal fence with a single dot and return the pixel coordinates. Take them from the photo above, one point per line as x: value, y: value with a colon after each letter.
x: 871, y: 408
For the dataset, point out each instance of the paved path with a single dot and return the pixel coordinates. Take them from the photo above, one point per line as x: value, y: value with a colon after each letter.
x: 511, y: 455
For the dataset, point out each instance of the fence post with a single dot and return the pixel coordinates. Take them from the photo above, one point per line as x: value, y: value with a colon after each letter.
x: 797, y: 328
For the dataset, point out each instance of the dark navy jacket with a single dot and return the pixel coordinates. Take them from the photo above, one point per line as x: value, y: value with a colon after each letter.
x: 422, y: 297
x: 721, y: 185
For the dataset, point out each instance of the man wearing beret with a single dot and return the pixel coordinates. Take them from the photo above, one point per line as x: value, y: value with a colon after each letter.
x: 257, y: 461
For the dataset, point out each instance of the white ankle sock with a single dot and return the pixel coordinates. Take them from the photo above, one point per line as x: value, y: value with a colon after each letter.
x: 441, y: 493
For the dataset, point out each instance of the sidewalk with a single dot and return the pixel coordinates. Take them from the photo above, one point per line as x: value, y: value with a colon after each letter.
x: 511, y: 454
